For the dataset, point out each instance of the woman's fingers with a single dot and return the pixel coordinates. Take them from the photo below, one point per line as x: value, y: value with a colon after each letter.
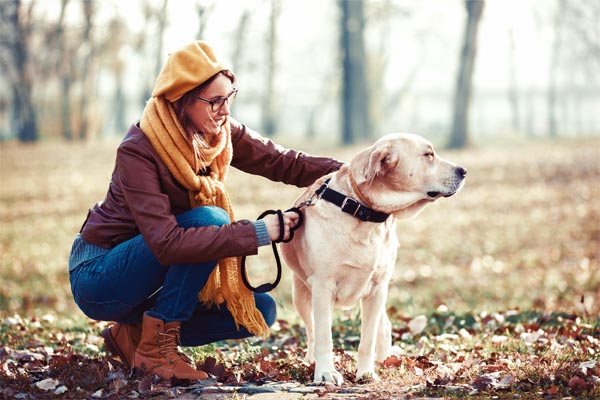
x: 290, y: 220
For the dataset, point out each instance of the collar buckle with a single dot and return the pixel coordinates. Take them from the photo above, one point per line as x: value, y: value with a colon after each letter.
x: 350, y: 206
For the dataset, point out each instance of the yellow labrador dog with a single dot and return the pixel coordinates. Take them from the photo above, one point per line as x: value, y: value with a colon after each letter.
x: 345, y: 251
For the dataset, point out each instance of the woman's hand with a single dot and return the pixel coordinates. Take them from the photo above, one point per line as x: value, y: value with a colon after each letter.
x: 290, y: 219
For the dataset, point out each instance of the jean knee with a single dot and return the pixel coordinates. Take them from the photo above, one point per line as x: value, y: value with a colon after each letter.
x: 204, y: 216
x: 266, y: 305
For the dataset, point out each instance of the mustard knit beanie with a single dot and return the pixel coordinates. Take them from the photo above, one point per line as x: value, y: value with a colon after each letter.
x: 185, y: 69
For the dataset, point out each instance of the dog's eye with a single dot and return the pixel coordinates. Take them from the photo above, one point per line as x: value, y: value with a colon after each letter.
x: 429, y: 155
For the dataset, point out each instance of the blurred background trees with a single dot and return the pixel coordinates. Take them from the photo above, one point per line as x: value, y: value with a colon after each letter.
x: 337, y: 70
x: 462, y: 99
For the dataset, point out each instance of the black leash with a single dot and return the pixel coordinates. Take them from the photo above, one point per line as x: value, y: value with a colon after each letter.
x: 267, y: 287
x: 345, y: 203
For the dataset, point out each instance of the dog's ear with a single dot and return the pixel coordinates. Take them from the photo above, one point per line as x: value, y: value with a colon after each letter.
x: 381, y: 161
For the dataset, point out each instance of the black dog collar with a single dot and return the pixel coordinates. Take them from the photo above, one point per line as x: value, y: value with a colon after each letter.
x: 350, y: 205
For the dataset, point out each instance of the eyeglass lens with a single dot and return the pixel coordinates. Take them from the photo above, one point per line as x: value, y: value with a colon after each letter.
x: 217, y: 104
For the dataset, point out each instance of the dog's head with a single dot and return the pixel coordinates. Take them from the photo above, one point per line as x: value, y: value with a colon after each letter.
x: 402, y: 171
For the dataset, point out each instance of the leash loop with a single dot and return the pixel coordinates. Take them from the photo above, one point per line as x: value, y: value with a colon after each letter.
x: 267, y: 287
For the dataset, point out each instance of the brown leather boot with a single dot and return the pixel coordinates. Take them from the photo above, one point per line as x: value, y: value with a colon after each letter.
x: 157, y: 352
x: 122, y: 340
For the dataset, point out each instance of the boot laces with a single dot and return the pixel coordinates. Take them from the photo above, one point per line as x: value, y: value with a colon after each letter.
x: 167, y: 345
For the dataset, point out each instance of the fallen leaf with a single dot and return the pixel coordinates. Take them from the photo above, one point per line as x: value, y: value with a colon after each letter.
x: 499, y: 339
x: 47, y: 384
x: 584, y: 366
x: 494, y: 380
x: 552, y: 390
x: 577, y: 384
x: 392, y: 361
x: 417, y: 324
x: 61, y: 389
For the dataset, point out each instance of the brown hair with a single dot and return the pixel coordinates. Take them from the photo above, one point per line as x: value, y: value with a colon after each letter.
x: 186, y: 100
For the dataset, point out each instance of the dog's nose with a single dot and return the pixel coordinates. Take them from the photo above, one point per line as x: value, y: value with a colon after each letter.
x: 461, y: 172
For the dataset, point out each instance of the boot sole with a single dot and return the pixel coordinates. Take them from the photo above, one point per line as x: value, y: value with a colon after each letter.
x: 111, y: 346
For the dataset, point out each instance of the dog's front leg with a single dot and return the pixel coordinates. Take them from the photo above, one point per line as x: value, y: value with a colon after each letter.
x: 322, y: 307
x: 372, y: 311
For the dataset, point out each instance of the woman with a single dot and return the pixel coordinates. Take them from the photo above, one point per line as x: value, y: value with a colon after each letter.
x: 160, y: 254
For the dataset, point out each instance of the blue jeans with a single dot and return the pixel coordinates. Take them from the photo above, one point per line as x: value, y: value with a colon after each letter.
x: 128, y: 281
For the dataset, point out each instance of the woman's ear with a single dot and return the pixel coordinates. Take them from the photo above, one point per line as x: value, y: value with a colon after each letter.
x: 381, y: 161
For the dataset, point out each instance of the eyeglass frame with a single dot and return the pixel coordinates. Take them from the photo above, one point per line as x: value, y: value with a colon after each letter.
x: 219, y: 100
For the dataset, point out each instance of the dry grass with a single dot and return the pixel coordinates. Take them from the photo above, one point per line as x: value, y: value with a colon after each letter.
x: 507, y: 272
x: 524, y: 233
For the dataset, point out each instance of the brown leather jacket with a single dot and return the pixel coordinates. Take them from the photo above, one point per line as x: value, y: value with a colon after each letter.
x: 143, y: 197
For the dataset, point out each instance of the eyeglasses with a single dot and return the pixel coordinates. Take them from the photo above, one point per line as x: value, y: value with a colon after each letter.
x: 216, y: 103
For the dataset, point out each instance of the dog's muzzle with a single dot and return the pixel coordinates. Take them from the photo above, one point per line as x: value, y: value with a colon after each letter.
x: 454, y: 184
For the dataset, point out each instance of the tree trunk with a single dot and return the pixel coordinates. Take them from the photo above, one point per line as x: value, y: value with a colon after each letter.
x: 269, y: 124
x: 355, y: 97
x: 513, y: 95
x: 240, y: 33
x: 65, y: 68
x: 203, y: 12
x: 553, y: 73
x: 150, y: 14
x: 162, y: 24
x: 86, y: 78
x: 15, y: 43
x: 459, y: 136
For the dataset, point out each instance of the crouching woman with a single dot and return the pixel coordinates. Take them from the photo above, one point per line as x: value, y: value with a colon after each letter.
x: 159, y: 255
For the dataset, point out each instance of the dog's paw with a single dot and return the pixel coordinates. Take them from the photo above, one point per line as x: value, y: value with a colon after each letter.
x: 328, y: 376
x: 391, y: 351
x: 367, y: 377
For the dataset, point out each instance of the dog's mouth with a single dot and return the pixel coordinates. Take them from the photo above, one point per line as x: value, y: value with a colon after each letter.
x: 449, y: 191
x: 435, y: 195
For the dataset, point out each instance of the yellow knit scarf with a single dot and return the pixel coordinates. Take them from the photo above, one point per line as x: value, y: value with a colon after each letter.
x: 185, y: 157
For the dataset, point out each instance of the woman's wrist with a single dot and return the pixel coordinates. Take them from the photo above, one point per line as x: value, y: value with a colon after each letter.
x: 262, y: 234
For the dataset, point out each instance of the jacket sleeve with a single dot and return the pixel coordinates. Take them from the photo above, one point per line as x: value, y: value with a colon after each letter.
x: 151, y: 210
x: 260, y: 156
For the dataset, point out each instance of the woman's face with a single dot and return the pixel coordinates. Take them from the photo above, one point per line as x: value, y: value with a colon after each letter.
x: 201, y: 113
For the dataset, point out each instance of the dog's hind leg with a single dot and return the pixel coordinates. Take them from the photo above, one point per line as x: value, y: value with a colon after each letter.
x: 383, y: 348
x: 303, y: 302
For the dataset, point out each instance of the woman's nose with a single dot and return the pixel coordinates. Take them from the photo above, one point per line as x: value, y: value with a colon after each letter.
x: 225, y: 108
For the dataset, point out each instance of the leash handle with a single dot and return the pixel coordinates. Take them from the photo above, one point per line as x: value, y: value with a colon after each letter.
x: 267, y: 287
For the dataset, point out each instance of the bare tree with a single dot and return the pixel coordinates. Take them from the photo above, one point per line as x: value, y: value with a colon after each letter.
x: 203, y: 12
x: 513, y: 95
x: 459, y: 136
x: 554, y: 66
x: 111, y: 48
x: 15, y: 30
x: 575, y: 60
x: 159, y: 16
x: 582, y: 19
x: 382, y: 16
x: 64, y: 67
x: 236, y: 58
x: 355, y: 95
x: 269, y: 120
x: 87, y: 79
x: 161, y: 19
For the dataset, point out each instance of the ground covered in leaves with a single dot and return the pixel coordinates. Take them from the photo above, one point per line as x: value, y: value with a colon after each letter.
x: 496, y: 290
x: 509, y: 353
